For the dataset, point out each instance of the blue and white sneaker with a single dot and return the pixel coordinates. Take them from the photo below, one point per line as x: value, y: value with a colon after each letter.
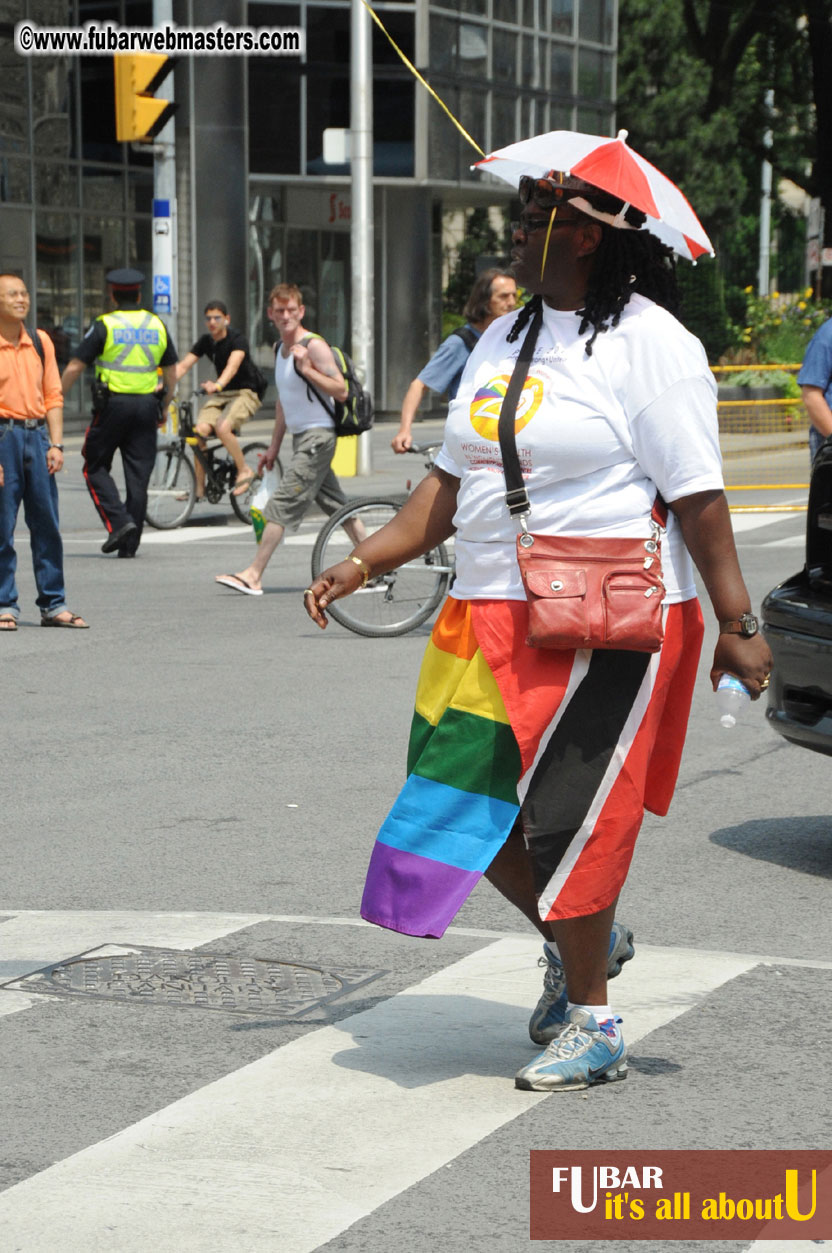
x: 549, y: 1014
x: 584, y: 1053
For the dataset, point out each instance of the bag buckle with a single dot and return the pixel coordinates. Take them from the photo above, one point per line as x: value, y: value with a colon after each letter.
x: 526, y: 539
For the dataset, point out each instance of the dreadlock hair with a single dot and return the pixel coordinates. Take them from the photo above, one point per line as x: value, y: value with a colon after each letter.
x: 626, y: 261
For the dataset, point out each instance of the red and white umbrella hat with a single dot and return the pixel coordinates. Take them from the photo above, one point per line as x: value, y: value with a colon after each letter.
x: 612, y: 166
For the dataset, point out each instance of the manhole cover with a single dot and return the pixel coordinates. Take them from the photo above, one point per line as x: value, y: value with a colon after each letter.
x: 137, y: 975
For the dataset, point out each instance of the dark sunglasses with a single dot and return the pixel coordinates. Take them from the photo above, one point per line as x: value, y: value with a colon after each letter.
x: 545, y: 192
x: 527, y: 225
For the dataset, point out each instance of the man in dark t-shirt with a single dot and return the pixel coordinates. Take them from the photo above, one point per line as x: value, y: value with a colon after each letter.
x: 233, y: 398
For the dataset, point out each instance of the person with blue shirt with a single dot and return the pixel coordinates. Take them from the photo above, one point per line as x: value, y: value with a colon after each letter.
x: 493, y: 294
x: 815, y: 379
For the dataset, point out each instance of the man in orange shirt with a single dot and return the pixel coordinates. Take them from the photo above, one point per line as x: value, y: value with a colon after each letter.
x: 31, y: 453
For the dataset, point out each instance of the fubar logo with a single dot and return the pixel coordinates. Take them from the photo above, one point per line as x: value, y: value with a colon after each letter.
x: 488, y: 400
x: 681, y: 1194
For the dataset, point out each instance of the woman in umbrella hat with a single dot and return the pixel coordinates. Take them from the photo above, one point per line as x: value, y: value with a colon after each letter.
x: 533, y: 766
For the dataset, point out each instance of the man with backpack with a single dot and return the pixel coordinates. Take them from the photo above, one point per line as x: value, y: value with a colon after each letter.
x: 493, y: 294
x: 310, y: 386
x: 233, y: 398
x: 31, y: 454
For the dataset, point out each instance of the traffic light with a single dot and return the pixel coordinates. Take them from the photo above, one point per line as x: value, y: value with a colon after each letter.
x: 139, y: 116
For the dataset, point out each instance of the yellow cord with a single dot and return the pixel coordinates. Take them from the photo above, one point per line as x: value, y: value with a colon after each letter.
x: 425, y: 84
x: 548, y: 237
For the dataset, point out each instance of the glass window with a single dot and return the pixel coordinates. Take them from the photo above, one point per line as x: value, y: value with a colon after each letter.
x: 140, y: 244
x: 400, y: 26
x: 504, y: 120
x: 327, y: 104
x: 561, y: 83
x: 102, y: 188
x: 98, y: 120
x: 596, y: 20
x: 14, y: 112
x: 531, y: 66
x: 274, y: 87
x: 594, y: 121
x: 58, y: 279
x: 52, y: 108
x: 480, y: 7
x: 104, y: 249
x: 56, y: 184
x: 393, y: 127
x: 444, y: 34
x: 473, y: 49
x: 504, y: 56
x: 560, y: 117
x: 472, y: 115
x: 533, y: 14
x: 506, y: 11
x: 140, y: 191
x: 443, y: 138
x: 594, y: 74
x: 327, y: 36
x: 15, y: 184
x: 562, y: 14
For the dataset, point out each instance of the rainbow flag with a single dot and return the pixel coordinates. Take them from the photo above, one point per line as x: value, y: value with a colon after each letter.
x: 460, y: 799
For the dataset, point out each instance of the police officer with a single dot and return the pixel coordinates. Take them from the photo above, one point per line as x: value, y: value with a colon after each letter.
x: 128, y: 345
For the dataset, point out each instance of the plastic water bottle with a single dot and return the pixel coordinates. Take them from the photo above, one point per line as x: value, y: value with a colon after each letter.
x: 732, y: 700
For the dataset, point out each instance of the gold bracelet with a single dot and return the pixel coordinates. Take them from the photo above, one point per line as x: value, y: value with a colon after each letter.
x: 363, y: 567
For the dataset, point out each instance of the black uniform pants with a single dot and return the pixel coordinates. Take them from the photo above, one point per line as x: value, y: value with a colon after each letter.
x: 127, y: 424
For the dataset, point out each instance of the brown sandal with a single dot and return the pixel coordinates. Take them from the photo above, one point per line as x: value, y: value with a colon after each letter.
x: 75, y: 623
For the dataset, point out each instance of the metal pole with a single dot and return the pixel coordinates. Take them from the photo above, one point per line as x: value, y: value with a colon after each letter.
x: 165, y: 296
x: 361, y: 225
x: 765, y: 209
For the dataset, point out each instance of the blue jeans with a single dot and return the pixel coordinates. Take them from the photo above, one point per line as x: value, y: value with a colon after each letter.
x: 815, y: 441
x: 27, y: 479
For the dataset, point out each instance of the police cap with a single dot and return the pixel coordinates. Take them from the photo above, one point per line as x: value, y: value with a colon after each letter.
x: 125, y: 278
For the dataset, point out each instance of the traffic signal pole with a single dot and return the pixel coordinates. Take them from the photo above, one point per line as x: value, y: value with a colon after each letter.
x: 361, y: 222
x: 165, y: 285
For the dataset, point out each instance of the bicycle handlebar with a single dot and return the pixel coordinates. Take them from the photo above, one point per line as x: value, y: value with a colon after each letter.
x: 422, y: 449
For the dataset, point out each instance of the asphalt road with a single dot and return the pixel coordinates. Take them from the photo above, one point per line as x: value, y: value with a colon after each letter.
x: 207, y: 771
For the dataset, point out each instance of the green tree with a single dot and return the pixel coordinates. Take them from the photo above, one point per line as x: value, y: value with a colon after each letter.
x: 693, y: 78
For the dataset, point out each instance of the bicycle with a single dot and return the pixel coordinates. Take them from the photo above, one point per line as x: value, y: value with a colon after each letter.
x: 171, y: 493
x: 396, y: 602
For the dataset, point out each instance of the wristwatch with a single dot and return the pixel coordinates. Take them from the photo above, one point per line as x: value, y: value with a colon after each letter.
x: 746, y: 625
x: 59, y: 447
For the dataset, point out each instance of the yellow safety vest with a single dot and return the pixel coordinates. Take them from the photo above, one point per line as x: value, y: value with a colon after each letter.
x: 136, y: 343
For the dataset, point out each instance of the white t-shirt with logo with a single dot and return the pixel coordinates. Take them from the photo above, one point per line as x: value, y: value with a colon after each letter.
x: 596, y: 436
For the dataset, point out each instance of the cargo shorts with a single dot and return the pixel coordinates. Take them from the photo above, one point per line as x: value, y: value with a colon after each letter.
x: 307, y: 478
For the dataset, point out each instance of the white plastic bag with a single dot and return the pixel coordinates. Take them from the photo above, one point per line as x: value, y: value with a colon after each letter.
x: 260, y: 497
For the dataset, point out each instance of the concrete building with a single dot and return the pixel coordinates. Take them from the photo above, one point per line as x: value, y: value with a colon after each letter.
x: 256, y: 203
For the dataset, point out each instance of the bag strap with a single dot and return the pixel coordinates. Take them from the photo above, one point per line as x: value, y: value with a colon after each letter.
x: 517, y: 498
x: 34, y: 335
x: 311, y: 389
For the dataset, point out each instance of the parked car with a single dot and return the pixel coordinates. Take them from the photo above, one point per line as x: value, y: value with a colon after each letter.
x: 797, y: 617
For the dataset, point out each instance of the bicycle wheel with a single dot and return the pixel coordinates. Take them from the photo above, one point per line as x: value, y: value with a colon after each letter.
x: 391, y: 604
x: 241, y: 504
x: 171, y: 491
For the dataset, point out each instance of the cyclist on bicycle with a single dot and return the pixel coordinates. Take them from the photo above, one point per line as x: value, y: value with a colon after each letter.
x: 233, y: 398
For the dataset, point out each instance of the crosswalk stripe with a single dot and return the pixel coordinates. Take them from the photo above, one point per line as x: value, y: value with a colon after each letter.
x: 289, y: 1151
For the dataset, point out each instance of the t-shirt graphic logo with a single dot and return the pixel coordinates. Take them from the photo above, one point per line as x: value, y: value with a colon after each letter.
x: 488, y: 400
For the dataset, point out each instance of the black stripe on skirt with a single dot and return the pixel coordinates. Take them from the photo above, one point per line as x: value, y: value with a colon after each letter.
x: 575, y: 761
